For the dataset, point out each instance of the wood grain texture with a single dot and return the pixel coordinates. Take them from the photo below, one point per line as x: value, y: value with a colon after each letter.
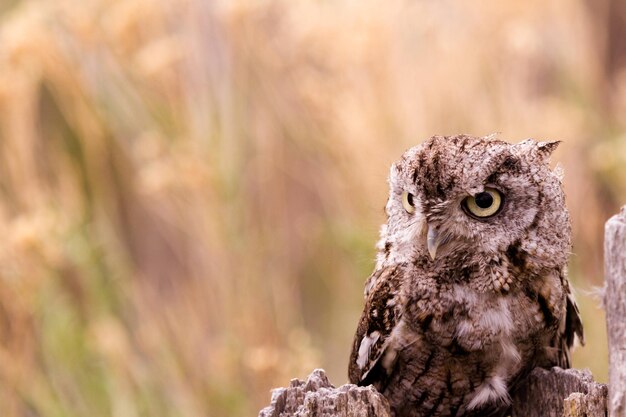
x: 560, y: 392
x: 615, y: 305
x: 316, y: 397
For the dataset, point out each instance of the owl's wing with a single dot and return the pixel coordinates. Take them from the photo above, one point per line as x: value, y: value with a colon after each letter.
x: 566, y: 319
x: 571, y: 327
x: 371, y: 359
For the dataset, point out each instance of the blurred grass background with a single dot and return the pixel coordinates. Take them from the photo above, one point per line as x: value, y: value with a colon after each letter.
x: 190, y: 191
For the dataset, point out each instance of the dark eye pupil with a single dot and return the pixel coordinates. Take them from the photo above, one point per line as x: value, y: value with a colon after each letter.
x: 483, y: 200
x: 409, y: 198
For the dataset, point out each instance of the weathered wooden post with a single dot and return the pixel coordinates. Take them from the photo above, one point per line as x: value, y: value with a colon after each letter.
x: 560, y: 393
x: 615, y: 304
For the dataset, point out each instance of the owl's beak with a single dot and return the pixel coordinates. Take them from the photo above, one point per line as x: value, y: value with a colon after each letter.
x: 432, y: 241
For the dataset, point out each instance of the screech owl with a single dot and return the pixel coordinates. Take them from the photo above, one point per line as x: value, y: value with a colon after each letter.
x: 470, y: 288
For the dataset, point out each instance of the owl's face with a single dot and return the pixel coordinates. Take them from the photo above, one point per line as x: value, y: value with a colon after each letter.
x: 455, y: 197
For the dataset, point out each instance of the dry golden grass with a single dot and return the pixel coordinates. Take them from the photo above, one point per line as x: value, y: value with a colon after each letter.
x: 190, y: 191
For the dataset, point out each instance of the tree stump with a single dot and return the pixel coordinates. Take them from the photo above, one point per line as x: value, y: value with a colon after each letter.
x: 546, y: 393
x: 318, y: 398
x: 560, y: 392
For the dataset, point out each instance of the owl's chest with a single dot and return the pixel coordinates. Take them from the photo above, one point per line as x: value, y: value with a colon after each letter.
x: 463, y: 319
x: 468, y: 335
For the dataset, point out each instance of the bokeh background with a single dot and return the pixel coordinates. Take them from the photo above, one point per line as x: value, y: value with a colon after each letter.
x: 190, y: 191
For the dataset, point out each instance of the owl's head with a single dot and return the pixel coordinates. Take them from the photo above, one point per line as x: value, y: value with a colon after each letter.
x: 462, y: 195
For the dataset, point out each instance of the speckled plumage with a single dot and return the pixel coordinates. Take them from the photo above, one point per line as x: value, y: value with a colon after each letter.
x: 453, y: 335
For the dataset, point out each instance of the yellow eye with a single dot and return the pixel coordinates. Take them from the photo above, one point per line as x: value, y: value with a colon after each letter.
x: 407, y: 202
x: 485, y: 204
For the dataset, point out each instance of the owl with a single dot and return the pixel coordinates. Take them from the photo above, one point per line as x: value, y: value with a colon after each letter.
x: 470, y: 288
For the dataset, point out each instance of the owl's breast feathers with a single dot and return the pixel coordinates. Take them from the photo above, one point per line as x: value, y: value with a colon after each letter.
x: 449, y: 351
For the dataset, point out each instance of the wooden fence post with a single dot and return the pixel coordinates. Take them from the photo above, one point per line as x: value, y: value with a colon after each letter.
x: 615, y: 305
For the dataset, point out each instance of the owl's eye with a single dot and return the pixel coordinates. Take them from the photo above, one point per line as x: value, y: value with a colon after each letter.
x: 485, y: 204
x: 407, y: 202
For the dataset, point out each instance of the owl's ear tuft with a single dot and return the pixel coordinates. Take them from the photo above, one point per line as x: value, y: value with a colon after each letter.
x: 538, y: 150
x: 545, y: 149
